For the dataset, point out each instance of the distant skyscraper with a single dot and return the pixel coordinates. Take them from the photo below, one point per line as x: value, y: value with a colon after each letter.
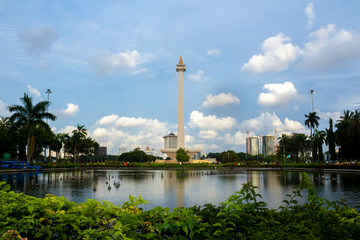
x: 269, y: 145
x: 254, y: 145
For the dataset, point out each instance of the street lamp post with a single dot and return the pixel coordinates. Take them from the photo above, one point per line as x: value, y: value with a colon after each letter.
x: 312, y: 92
x: 48, y: 91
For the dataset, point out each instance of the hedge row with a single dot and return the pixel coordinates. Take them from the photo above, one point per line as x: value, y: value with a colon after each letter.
x: 242, y: 216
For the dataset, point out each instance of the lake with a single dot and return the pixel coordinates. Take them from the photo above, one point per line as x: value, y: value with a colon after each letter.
x: 176, y: 188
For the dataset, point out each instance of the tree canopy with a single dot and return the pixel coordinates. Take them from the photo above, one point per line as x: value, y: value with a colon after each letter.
x: 182, y: 155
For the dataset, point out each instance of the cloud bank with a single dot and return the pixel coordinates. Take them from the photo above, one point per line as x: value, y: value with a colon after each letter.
x: 329, y: 48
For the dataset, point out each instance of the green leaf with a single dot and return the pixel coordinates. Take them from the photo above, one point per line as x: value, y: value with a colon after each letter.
x: 6, y: 188
x: 191, y: 235
x: 229, y: 229
x: 217, y: 225
x: 191, y: 223
x: 30, y: 208
x: 185, y: 229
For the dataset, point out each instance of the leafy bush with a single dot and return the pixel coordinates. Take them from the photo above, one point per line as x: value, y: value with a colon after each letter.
x: 242, y: 216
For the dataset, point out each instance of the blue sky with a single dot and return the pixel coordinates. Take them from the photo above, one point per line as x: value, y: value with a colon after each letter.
x: 250, y: 66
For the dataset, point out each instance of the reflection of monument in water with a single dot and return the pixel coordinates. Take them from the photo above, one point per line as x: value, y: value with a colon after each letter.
x: 175, y: 184
x: 169, y: 146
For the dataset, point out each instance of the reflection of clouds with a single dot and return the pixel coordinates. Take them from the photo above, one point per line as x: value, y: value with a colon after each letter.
x: 183, y: 188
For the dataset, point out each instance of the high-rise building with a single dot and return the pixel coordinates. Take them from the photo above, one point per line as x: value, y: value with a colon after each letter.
x: 254, y: 145
x: 268, y: 145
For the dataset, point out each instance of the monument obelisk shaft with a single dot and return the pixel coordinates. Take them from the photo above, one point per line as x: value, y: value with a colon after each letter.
x: 181, y: 68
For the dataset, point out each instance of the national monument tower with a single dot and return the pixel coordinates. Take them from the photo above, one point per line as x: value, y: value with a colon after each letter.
x: 171, y: 152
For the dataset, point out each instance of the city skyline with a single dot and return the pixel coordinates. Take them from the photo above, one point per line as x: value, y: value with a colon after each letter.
x: 250, y: 67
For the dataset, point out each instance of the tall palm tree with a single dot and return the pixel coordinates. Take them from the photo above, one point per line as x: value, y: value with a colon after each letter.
x: 302, y: 143
x: 30, y: 117
x: 342, y: 135
x: 312, y: 121
x: 284, y: 141
x: 330, y: 140
x: 79, y: 134
x: 319, y: 138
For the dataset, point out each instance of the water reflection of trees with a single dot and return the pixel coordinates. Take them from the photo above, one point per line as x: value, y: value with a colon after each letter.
x: 177, y: 187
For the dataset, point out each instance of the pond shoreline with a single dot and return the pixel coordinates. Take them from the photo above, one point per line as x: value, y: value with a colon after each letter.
x: 310, y: 169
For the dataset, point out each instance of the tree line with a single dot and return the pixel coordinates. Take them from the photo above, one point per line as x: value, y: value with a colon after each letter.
x: 343, y: 143
x: 26, y: 132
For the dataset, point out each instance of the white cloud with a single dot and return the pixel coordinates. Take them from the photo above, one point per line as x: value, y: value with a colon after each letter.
x: 211, y: 122
x: 129, y: 132
x: 239, y: 138
x: 279, y: 94
x: 34, y: 92
x: 291, y: 125
x: 3, y: 108
x: 330, y: 48
x: 106, y: 62
x: 209, y: 134
x: 198, y: 77
x: 310, y: 13
x: 214, y: 52
x: 220, y: 100
x: 67, y: 129
x: 71, y: 109
x: 149, y: 124
x: 267, y: 122
x: 278, y: 54
x: 38, y: 41
x: 327, y: 115
x: 108, y: 119
x: 189, y: 139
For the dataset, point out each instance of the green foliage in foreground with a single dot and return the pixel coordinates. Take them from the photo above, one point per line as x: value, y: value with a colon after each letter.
x: 242, y: 216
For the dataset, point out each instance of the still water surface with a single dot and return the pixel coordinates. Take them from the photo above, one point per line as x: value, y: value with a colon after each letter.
x: 176, y: 188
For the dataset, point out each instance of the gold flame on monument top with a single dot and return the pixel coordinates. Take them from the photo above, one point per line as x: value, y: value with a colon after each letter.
x: 181, y: 61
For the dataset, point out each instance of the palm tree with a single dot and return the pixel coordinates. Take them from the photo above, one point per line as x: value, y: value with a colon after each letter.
x: 79, y: 134
x: 283, y: 142
x: 342, y: 135
x: 30, y: 117
x: 302, y: 143
x: 330, y: 140
x: 319, y: 138
x: 312, y: 122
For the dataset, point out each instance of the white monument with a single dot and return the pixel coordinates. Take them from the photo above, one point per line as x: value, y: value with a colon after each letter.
x: 171, y: 152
